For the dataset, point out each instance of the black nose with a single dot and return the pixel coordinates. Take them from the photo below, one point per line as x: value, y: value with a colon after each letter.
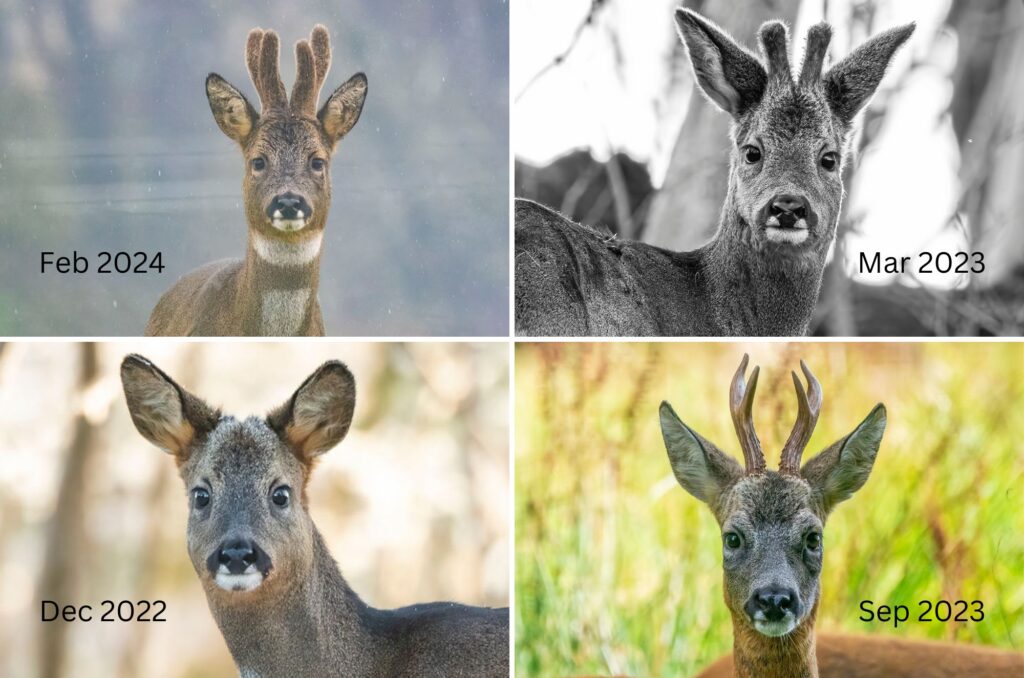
x: 289, y: 206
x: 789, y: 204
x: 774, y: 602
x: 237, y: 555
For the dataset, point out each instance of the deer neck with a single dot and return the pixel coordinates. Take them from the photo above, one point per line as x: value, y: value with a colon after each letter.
x: 791, y: 656
x: 756, y: 293
x: 311, y: 622
x: 278, y: 285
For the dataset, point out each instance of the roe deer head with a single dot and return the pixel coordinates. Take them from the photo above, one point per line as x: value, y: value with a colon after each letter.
x: 762, y: 273
x: 273, y: 588
x: 287, y: 148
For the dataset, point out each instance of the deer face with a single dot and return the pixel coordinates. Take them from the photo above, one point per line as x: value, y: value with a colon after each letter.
x: 248, y: 525
x: 288, y: 146
x: 772, y: 522
x: 790, y: 136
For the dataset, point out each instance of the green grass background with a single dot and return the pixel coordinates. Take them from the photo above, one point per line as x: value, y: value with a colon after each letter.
x: 618, y: 569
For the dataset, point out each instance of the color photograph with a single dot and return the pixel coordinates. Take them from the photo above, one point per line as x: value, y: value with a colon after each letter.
x: 670, y: 539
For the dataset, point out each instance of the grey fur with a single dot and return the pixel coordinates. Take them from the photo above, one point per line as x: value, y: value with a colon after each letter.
x: 774, y: 515
x: 751, y: 280
x: 302, y: 619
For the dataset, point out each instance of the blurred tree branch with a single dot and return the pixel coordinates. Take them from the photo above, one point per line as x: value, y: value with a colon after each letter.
x: 588, y: 20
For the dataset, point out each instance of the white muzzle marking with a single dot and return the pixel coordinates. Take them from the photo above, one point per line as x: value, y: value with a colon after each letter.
x: 247, y: 581
x: 794, y: 235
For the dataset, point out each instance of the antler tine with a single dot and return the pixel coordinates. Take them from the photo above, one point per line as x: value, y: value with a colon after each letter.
x: 809, y: 406
x: 313, y: 58
x: 269, y: 85
x: 818, y: 38
x: 741, y: 401
x: 252, y: 57
x: 775, y: 42
x: 321, y: 42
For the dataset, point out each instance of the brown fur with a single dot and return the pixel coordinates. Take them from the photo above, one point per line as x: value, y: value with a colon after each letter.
x: 302, y: 619
x: 273, y: 291
x: 767, y: 520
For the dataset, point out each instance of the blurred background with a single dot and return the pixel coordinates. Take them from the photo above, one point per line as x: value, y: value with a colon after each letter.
x: 611, y: 131
x: 413, y: 503
x: 619, y: 570
x: 107, y: 143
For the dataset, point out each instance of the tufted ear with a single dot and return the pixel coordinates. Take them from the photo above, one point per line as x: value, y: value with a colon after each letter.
x: 163, y: 412
x: 729, y: 75
x: 340, y: 112
x: 852, y: 82
x: 234, y: 114
x: 843, y: 468
x: 700, y: 467
x: 318, y: 415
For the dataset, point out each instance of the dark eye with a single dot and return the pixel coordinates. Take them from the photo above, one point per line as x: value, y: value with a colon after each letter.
x: 751, y: 154
x: 813, y: 541
x: 829, y: 161
x: 281, y: 496
x: 317, y: 164
x: 259, y: 164
x: 732, y: 540
x: 201, y: 496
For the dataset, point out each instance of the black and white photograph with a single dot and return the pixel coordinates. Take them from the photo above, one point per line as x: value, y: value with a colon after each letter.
x: 754, y: 168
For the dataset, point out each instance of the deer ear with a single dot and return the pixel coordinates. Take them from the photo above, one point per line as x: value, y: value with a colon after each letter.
x: 164, y: 413
x: 851, y: 82
x: 728, y: 74
x: 341, y: 111
x: 234, y: 114
x: 700, y: 467
x: 843, y: 468
x: 319, y: 414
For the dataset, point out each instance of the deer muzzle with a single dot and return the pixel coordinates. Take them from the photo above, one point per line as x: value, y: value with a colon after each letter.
x: 238, y: 564
x: 289, y: 212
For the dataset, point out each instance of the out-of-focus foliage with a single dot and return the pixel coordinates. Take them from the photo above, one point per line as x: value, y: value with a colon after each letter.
x: 413, y: 503
x: 618, y: 569
x: 107, y: 144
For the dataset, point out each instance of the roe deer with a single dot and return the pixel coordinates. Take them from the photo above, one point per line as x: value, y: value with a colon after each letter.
x: 772, y: 548
x: 287, y: 148
x: 762, y: 272
x: 272, y: 586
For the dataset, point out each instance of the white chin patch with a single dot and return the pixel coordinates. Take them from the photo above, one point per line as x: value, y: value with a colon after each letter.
x: 247, y: 581
x: 775, y: 629
x: 794, y: 235
x: 288, y: 225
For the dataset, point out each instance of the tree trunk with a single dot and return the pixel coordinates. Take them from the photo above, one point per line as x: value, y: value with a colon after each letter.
x: 67, y: 527
x: 989, y: 124
x: 684, y: 212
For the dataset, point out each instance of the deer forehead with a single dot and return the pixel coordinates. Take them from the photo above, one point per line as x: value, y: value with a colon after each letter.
x: 789, y: 117
x: 768, y: 498
x: 281, y: 134
x: 248, y: 451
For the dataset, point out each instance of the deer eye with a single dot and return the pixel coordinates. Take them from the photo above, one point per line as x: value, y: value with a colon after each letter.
x: 201, y: 497
x: 751, y: 154
x: 258, y: 164
x: 813, y: 541
x: 732, y: 540
x: 829, y: 161
x: 281, y: 496
x: 317, y: 164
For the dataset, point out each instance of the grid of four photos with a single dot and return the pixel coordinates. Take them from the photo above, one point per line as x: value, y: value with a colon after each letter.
x: 511, y: 338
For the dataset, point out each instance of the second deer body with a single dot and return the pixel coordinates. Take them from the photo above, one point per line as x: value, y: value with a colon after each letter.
x: 276, y: 594
x: 762, y: 273
x: 287, y: 148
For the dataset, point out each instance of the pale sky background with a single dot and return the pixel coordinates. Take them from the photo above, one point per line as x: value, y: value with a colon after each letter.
x: 905, y: 187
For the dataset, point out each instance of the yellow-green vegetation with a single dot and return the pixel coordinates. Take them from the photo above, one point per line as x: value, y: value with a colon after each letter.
x: 618, y: 569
